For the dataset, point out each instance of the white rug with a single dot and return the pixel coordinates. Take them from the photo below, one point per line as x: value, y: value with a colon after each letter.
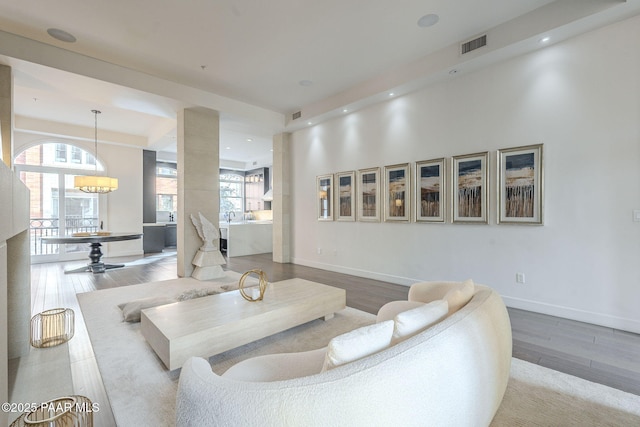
x: 142, y: 392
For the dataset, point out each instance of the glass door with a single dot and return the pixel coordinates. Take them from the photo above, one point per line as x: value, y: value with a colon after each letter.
x: 80, y: 213
x: 58, y: 209
x: 44, y: 211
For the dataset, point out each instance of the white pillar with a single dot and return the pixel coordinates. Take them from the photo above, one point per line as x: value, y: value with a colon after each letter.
x: 198, y: 179
x: 281, y: 204
x: 6, y: 115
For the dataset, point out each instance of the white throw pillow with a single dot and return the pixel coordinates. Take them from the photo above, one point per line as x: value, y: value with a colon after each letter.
x: 196, y: 293
x: 357, y: 344
x: 391, y: 309
x: 131, y: 310
x: 459, y: 296
x: 410, y: 322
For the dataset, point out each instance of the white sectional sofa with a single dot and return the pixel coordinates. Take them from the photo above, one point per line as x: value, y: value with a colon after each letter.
x: 454, y: 373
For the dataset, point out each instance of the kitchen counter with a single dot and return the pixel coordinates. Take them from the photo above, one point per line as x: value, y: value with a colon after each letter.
x: 158, y: 235
x: 247, y: 237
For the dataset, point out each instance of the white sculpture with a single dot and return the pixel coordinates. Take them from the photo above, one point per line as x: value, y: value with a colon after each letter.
x: 208, y: 259
x: 207, y: 232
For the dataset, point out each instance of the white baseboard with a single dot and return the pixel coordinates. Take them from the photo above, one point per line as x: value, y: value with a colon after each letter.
x: 565, y: 312
x: 356, y: 272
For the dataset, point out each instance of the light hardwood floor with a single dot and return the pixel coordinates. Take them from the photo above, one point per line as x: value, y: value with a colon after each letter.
x: 598, y: 354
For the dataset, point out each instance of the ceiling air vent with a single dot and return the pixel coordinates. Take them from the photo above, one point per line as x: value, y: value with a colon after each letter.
x: 474, y: 44
x: 296, y: 115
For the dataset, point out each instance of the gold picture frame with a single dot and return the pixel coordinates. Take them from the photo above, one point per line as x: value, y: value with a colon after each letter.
x: 397, y: 192
x: 324, y: 194
x: 368, y: 195
x: 520, y: 185
x: 430, y: 190
x: 345, y: 203
x: 469, y: 184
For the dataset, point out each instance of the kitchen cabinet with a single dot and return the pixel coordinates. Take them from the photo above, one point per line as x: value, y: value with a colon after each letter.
x: 158, y: 236
x: 153, y: 238
x: 170, y: 235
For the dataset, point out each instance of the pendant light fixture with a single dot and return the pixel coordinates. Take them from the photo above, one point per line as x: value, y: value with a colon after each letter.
x: 94, y: 183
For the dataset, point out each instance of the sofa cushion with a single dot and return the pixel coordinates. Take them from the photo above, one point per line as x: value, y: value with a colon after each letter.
x: 357, y: 344
x: 131, y: 310
x: 391, y: 309
x: 459, y: 295
x: 410, y: 322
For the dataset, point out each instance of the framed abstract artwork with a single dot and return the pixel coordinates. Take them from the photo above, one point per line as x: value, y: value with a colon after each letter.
x: 324, y: 191
x: 397, y: 192
x: 430, y: 191
x: 345, y: 196
x: 469, y: 183
x: 520, y: 185
x: 368, y: 190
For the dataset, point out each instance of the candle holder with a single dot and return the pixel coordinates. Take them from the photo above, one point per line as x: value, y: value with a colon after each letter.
x: 69, y: 411
x: 52, y: 327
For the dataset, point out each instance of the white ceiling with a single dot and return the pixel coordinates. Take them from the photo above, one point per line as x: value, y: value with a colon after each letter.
x: 140, y: 62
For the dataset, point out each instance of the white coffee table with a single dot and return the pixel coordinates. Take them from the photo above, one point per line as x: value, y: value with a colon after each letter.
x: 211, y: 325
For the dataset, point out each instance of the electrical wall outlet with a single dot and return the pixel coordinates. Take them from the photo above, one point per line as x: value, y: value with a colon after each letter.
x: 520, y: 278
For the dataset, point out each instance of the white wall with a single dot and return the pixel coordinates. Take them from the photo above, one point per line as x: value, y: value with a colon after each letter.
x: 124, y: 205
x: 120, y: 210
x: 15, y: 275
x: 581, y: 99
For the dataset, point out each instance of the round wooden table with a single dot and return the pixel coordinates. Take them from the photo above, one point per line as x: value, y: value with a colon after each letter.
x: 95, y: 254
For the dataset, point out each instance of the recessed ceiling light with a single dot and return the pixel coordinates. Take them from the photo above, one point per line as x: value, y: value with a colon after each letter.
x: 305, y: 83
x: 249, y: 139
x: 545, y: 39
x: 428, y: 20
x: 391, y: 93
x: 228, y: 148
x: 61, y: 35
x: 344, y: 110
x: 309, y: 123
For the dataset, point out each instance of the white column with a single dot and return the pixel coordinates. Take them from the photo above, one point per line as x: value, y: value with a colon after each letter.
x: 6, y: 114
x: 281, y: 204
x: 198, y: 179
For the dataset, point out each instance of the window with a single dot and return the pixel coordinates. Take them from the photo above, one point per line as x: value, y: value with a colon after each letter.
x: 61, y: 153
x: 166, y: 169
x: 89, y: 158
x: 76, y: 155
x: 166, y: 189
x: 51, y: 154
x: 231, y: 195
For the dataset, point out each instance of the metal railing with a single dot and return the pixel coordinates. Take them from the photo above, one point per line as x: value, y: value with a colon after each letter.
x: 45, y: 227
